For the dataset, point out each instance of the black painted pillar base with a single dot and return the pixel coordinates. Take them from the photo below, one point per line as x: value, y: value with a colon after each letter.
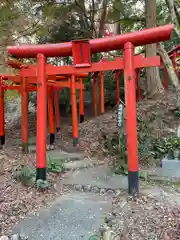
x: 52, y: 138
x: 133, y: 183
x: 57, y: 129
x: 75, y: 141
x: 25, y: 148
x: 81, y: 118
x: 41, y: 174
x: 2, y: 140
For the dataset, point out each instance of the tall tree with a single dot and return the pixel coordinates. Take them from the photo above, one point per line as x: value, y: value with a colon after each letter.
x: 174, y: 14
x: 174, y: 18
x: 153, y: 80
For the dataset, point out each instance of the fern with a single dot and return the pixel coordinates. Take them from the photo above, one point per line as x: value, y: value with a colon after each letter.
x: 42, y: 184
x: 25, y: 175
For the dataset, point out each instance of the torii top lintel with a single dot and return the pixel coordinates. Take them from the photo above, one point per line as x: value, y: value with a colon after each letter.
x: 146, y: 36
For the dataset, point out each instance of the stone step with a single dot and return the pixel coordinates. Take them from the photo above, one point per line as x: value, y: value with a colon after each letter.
x: 71, y: 161
x: 31, y: 140
x: 164, y: 174
x: 59, y: 155
x: 74, y: 216
x: 84, y: 163
x: 99, y: 177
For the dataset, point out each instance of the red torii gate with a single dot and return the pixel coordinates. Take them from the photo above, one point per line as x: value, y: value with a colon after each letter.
x: 81, y: 51
x: 24, y: 84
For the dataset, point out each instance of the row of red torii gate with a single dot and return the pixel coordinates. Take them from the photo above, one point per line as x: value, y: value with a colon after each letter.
x: 46, y: 78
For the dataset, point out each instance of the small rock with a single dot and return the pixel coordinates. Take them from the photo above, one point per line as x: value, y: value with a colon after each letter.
x: 95, y: 189
x: 149, y: 207
x: 94, y: 144
x: 122, y: 204
x: 4, y: 238
x: 102, y: 191
x: 51, y: 147
x: 23, y: 236
x: 12, y: 218
x: 144, y: 198
x: 78, y: 188
x: 158, y: 204
x: 109, y: 235
x: 108, y: 218
x: 118, y: 192
x: 110, y: 191
x: 15, y: 237
x: 114, y: 214
x: 87, y: 188
x: 114, y: 201
x: 47, y: 147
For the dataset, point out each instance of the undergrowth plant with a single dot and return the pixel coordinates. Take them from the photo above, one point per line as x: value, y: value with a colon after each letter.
x: 27, y: 175
x: 149, y: 149
x: 166, y: 145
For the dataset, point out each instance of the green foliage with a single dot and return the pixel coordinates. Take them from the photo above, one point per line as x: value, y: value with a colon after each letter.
x: 110, y: 143
x: 25, y: 175
x: 42, y: 184
x: 166, y: 144
x: 148, y: 148
x: 110, y: 88
x: 64, y: 96
x: 94, y: 237
x: 177, y: 112
x: 55, y: 168
x: 122, y: 169
x: 118, y: 146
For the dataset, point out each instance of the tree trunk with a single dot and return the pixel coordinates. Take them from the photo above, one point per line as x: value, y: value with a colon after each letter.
x: 153, y: 80
x: 172, y: 75
x: 101, y: 33
x: 173, y: 16
x: 167, y: 61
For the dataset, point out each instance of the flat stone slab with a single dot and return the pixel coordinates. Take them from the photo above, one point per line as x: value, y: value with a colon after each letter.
x: 71, y: 217
x: 162, y: 194
x: 172, y: 164
x: 99, y: 176
x: 164, y: 174
x: 84, y: 163
x: 57, y: 154
x: 31, y: 141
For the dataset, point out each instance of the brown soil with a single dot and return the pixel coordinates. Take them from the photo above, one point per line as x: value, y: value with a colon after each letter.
x: 16, y: 200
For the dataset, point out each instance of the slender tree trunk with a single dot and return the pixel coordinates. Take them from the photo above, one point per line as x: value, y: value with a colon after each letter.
x: 173, y: 16
x: 172, y: 75
x: 101, y: 33
x: 153, y: 80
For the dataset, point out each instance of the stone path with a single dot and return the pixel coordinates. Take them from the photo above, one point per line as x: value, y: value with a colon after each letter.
x: 78, y: 215
x: 100, y: 177
x: 72, y: 217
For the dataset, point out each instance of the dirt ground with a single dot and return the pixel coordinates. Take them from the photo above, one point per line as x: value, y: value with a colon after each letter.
x: 143, y: 214
x: 144, y: 218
